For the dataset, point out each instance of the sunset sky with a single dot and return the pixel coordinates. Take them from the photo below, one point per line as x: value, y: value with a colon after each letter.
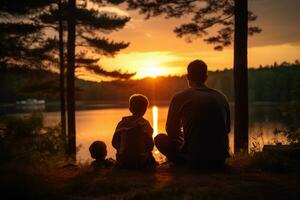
x: 155, y: 50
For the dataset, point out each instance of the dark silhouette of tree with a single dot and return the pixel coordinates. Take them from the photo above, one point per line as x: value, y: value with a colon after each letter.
x: 83, y: 24
x: 231, y: 17
x: 240, y: 68
x: 22, y: 40
x: 204, y: 14
x: 62, y: 72
x: 35, y: 48
x: 30, y: 43
x: 71, y: 78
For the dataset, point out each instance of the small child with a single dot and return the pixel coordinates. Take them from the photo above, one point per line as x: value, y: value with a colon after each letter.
x: 133, y: 136
x: 98, y: 152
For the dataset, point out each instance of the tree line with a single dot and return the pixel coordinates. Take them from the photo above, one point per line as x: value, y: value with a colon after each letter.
x: 271, y: 83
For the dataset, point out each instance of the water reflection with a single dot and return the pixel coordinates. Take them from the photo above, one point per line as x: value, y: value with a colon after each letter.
x: 100, y: 124
x: 155, y: 120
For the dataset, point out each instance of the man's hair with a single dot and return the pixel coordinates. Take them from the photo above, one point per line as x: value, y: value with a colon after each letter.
x: 197, y: 71
x: 138, y: 104
x: 98, y: 150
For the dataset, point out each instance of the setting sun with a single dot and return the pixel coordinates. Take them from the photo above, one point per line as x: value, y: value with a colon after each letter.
x: 153, y: 72
x: 146, y: 64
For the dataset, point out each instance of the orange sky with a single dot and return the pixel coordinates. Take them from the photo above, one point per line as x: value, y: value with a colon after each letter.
x: 155, y: 50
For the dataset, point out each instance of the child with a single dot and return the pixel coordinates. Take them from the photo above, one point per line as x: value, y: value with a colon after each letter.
x: 133, y: 136
x: 98, y: 152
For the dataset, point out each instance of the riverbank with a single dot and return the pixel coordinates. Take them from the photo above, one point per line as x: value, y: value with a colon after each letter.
x: 82, y: 182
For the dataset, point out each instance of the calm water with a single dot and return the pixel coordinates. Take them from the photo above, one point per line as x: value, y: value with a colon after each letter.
x: 99, y: 124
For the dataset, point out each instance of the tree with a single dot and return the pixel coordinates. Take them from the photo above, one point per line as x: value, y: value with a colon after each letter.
x: 35, y: 48
x: 241, y: 76
x: 87, y: 22
x: 231, y: 17
x: 22, y: 40
x: 71, y: 78
x: 62, y: 72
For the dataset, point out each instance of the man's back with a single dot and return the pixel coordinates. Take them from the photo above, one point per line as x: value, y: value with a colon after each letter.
x: 204, y: 116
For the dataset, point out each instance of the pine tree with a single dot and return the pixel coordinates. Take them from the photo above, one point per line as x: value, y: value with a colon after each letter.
x: 29, y: 42
x: 62, y: 72
x: 83, y: 24
x: 22, y: 40
x: 240, y: 68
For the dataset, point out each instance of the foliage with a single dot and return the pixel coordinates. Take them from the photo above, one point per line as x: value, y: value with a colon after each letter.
x: 292, y: 114
x: 28, y: 36
x: 26, y: 139
x: 203, y: 15
x: 24, y: 126
x: 91, y: 26
x: 22, y: 39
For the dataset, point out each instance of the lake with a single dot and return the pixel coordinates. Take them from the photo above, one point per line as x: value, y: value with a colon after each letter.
x: 99, y: 124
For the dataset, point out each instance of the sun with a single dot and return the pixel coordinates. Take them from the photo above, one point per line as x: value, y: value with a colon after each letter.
x: 153, y: 69
x: 153, y: 72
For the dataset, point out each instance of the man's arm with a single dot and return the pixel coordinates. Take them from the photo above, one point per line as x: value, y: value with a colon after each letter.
x: 228, y: 119
x: 148, y: 130
x: 173, y: 124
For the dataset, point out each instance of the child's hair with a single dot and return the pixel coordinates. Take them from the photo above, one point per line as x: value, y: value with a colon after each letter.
x: 98, y: 150
x: 138, y: 104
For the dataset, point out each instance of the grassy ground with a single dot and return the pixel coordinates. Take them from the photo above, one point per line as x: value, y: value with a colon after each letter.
x: 73, y: 182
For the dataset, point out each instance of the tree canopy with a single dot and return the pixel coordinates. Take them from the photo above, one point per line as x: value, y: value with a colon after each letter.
x: 203, y: 15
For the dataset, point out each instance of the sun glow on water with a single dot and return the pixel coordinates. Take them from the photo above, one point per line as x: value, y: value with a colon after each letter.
x: 155, y: 120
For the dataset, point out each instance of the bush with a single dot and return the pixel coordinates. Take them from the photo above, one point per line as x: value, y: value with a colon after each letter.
x: 26, y: 139
x: 292, y: 115
x: 24, y: 126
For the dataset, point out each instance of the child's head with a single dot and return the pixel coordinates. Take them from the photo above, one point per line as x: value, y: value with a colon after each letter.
x: 98, y: 150
x: 138, y: 104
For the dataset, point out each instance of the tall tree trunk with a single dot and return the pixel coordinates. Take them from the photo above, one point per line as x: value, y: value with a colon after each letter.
x: 62, y: 75
x: 71, y: 78
x: 240, y: 76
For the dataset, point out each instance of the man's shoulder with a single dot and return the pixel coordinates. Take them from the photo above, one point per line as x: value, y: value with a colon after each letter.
x: 219, y: 94
x: 182, y: 93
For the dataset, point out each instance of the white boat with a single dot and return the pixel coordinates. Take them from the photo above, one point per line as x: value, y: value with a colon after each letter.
x: 31, y: 102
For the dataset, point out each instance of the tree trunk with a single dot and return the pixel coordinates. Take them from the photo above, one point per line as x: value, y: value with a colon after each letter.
x: 62, y: 76
x: 71, y: 78
x: 240, y: 76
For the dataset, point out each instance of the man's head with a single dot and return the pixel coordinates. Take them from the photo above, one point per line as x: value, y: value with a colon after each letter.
x: 197, y: 72
x: 98, y: 150
x: 138, y: 104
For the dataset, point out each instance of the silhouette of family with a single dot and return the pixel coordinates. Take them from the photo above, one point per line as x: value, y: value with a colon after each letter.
x: 197, y: 129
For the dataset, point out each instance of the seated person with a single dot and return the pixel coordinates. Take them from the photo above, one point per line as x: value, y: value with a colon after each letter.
x: 133, y: 136
x: 198, y: 123
x: 98, y: 152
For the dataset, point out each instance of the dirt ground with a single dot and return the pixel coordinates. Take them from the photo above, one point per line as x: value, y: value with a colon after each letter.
x: 165, y: 182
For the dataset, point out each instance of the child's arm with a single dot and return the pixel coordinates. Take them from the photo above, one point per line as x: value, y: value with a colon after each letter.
x: 116, y: 140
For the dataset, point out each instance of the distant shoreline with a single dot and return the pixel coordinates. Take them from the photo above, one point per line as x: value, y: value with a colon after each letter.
x: 11, y: 108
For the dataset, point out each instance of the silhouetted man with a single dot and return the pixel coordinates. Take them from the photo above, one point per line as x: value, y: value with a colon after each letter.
x: 198, y: 123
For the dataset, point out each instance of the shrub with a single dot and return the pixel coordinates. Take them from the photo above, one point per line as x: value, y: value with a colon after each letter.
x: 26, y: 139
